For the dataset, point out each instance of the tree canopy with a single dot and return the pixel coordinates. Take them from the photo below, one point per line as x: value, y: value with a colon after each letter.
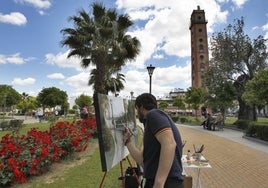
x: 83, y: 101
x: 257, y: 90
x: 51, y: 97
x: 195, y: 97
x: 100, y: 39
x: 235, y: 60
x: 8, y: 96
x: 179, y: 102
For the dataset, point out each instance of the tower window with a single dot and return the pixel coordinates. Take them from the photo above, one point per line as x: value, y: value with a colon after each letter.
x: 201, y: 47
x: 200, y: 40
x: 200, y: 30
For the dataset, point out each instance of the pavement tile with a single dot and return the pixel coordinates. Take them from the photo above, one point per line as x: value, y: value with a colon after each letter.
x: 234, y: 164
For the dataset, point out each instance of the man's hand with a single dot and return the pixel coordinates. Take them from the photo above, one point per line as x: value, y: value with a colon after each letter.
x: 127, y: 135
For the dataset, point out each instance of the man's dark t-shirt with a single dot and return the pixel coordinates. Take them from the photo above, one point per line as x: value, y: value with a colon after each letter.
x: 155, y: 121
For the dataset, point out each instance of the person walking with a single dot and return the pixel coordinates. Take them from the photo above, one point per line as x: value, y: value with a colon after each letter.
x: 162, y: 146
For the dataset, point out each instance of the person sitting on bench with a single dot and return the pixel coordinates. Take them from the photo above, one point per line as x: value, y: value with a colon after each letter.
x: 209, y: 121
x: 218, y: 120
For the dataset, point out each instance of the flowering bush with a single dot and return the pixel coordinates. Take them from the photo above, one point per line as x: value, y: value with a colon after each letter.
x: 32, y: 154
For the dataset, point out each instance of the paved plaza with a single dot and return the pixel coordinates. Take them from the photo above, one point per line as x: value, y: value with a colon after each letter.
x: 236, y: 162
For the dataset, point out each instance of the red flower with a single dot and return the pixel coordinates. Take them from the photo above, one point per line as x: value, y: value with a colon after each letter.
x: 20, y: 176
x: 34, y: 162
x: 33, y: 153
x: 44, y: 152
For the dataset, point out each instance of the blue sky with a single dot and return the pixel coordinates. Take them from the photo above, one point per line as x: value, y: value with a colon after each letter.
x: 31, y: 57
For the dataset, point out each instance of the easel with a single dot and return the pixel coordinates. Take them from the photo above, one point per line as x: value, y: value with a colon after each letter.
x: 122, y: 177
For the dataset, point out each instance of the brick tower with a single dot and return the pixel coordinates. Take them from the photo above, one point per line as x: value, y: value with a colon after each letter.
x: 199, y: 47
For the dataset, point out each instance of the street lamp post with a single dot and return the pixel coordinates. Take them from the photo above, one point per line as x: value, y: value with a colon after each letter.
x: 5, y: 103
x: 150, y: 72
x: 131, y: 95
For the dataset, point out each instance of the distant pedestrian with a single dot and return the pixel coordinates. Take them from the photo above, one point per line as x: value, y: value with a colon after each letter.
x: 40, y: 115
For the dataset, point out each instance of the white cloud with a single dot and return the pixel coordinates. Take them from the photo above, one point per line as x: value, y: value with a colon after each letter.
x: 40, y: 4
x: 164, y: 80
x: 13, y: 59
x: 15, y: 18
x: 23, y: 82
x: 56, y: 76
x: 166, y: 25
x: 265, y: 29
x: 62, y: 61
x: 79, y: 84
x: 239, y: 3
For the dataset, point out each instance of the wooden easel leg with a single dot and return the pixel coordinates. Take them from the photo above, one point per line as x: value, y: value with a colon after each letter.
x: 122, y: 175
x: 103, y: 177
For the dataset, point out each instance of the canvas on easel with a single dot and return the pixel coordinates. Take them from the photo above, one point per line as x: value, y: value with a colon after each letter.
x: 112, y: 115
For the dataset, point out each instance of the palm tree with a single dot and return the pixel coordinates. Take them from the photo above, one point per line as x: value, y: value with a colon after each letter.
x: 113, y: 79
x: 101, y: 40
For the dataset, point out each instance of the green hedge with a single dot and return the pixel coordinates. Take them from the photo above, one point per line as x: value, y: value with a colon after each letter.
x: 175, y: 118
x: 183, y: 120
x: 10, y: 124
x: 243, y: 124
x: 258, y: 131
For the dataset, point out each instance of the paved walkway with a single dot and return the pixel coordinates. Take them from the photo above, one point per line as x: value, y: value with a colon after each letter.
x: 236, y: 162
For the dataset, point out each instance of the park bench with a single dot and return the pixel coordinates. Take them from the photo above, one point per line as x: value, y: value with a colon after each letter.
x: 219, y: 125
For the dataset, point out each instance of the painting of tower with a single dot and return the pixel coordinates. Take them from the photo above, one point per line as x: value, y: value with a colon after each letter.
x: 199, y: 47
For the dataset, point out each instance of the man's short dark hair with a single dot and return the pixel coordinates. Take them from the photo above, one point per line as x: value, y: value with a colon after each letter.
x: 147, y: 100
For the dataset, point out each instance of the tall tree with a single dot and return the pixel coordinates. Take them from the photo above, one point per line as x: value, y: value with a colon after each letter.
x: 27, y: 103
x: 222, y: 94
x: 163, y: 105
x: 51, y: 97
x: 195, y: 97
x: 257, y: 90
x: 84, y: 101
x: 179, y: 102
x: 114, y: 80
x: 100, y: 39
x: 236, y: 58
x: 8, y: 96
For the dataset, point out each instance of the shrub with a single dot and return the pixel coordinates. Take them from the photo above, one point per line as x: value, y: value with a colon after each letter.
x: 175, y: 118
x: 183, y: 120
x: 242, y: 124
x: 265, y: 133
x: 258, y: 131
x: 32, y: 154
x: 252, y: 131
x: 16, y: 123
x: 4, y: 125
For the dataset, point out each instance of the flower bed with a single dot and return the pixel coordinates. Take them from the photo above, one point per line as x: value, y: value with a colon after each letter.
x: 32, y: 154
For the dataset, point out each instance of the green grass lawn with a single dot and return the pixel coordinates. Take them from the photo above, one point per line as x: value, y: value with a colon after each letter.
x: 82, y: 173
x: 27, y: 127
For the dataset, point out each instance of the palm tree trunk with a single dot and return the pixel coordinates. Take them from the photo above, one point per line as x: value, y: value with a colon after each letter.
x: 100, y: 75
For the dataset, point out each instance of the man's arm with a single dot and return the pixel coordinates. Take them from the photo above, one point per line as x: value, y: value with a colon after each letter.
x: 133, y: 150
x: 167, y: 154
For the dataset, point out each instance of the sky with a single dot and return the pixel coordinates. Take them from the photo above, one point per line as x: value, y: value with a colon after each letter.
x: 32, y: 57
